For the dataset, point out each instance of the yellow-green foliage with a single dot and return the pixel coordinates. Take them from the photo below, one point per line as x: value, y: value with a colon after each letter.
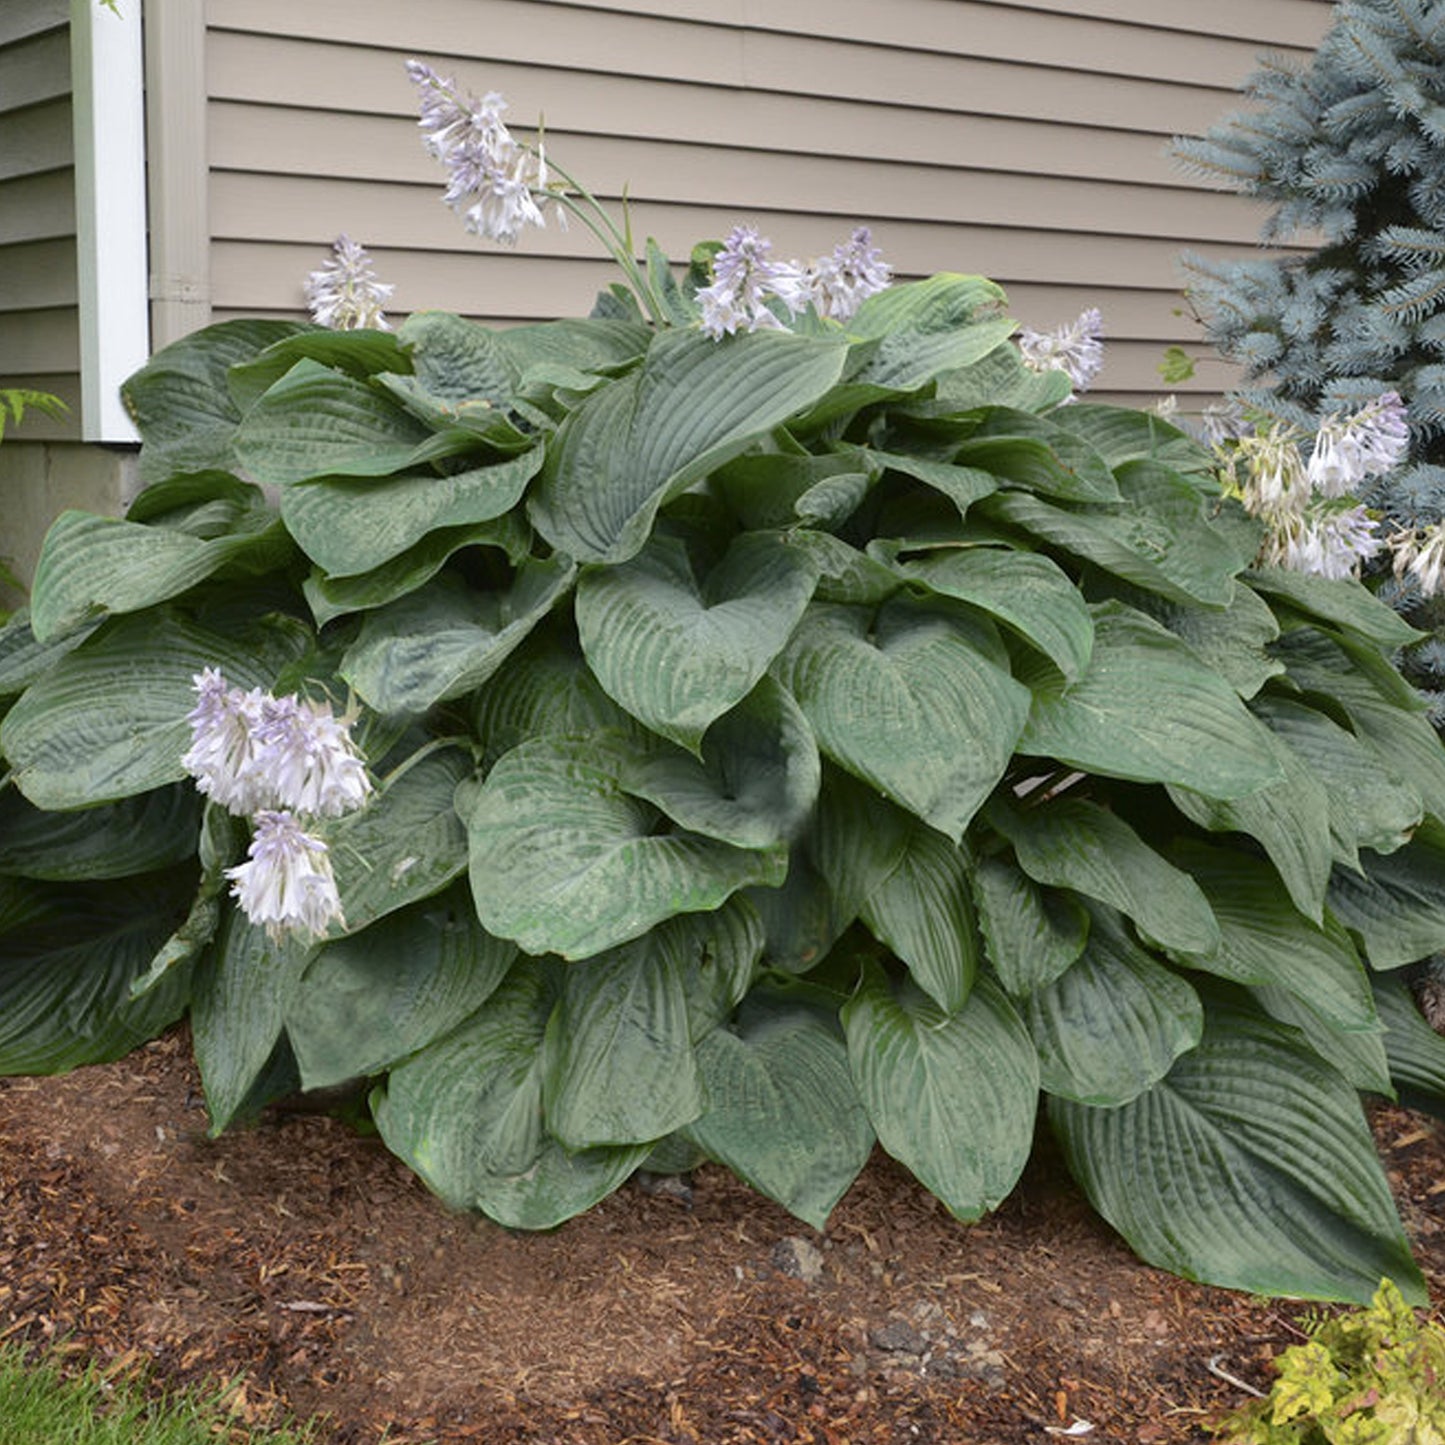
x: 1374, y: 1377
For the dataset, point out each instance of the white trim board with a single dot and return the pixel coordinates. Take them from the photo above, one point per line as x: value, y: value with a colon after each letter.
x: 108, y: 89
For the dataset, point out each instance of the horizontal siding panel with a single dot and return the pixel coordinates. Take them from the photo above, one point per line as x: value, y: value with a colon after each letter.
x: 948, y: 24
x: 36, y: 139
x: 328, y: 76
x: 21, y: 19
x: 34, y: 342
x: 257, y: 205
x: 36, y: 208
x: 38, y: 275
x: 288, y: 138
x: 521, y: 287
x: 700, y: 43
x: 34, y: 70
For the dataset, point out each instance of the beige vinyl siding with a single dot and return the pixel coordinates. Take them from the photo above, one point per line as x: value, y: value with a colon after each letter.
x: 1023, y: 140
x: 39, y: 326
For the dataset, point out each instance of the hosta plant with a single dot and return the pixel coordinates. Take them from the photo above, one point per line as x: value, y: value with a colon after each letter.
x: 759, y: 736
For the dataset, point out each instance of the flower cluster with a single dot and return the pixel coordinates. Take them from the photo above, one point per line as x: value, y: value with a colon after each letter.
x: 747, y: 279
x: 270, y: 759
x: 496, y: 184
x: 345, y: 294
x: 1420, y: 555
x: 1075, y: 349
x: 1310, y: 529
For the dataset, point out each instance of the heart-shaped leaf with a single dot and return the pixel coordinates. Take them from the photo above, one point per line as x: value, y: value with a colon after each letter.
x: 782, y: 1111
x: 565, y: 861
x: 1112, y: 1025
x: 1148, y: 709
x: 678, y: 654
x: 692, y: 405
x: 446, y: 638
x: 953, y: 1097
x: 914, y: 698
x: 1250, y: 1166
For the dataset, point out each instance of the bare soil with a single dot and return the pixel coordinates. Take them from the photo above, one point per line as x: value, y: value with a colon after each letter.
x: 309, y: 1258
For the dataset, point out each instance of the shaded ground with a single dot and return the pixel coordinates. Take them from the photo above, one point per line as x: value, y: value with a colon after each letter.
x: 311, y: 1259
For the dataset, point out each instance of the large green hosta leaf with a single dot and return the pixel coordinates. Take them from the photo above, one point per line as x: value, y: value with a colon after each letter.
x: 239, y: 997
x: 620, y: 1066
x: 358, y: 353
x: 181, y: 403
x: 782, y: 1111
x: 348, y: 526
x: 544, y: 689
x: 1023, y: 590
x: 692, y: 405
x: 1290, y: 820
x: 68, y: 957
x: 446, y: 638
x: 915, y: 698
x: 775, y: 489
x: 1148, y: 709
x: 332, y: 597
x: 466, y: 1114
x: 1250, y: 1166
x: 405, y: 844
x: 1157, y: 538
x: 367, y: 1001
x: 1120, y: 434
x: 1369, y: 806
x: 1397, y: 908
x: 677, y: 653
x: 1073, y: 843
x: 1033, y: 453
x: 316, y: 422
x: 136, y: 835
x: 1350, y: 604
x: 90, y: 566
x: 564, y: 860
x: 1415, y: 1051
x: 755, y: 782
x: 1113, y: 1024
x: 953, y: 1097
x: 1264, y: 940
x: 1031, y: 933
x: 109, y: 720
x: 1232, y: 640
x: 923, y: 911
x: 23, y: 659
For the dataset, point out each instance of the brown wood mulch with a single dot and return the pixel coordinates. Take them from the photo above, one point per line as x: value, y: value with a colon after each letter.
x: 306, y: 1258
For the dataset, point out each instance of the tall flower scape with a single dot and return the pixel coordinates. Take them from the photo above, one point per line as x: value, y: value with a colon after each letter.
x: 786, y: 716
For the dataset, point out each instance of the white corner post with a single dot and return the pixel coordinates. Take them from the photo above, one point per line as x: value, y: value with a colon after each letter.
x: 108, y: 90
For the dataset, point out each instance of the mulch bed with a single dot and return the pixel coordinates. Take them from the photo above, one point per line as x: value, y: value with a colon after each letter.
x: 308, y: 1258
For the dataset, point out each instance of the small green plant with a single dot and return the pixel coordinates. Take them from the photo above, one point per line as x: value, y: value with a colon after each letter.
x: 16, y: 400
x: 41, y: 1405
x: 1372, y: 1377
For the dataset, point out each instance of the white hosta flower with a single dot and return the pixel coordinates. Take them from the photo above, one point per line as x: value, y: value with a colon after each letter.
x: 251, y: 751
x: 1364, y: 445
x: 1222, y: 421
x: 493, y: 181
x: 286, y: 885
x: 223, y: 748
x: 309, y: 760
x: 1275, y: 480
x: 1074, y: 349
x: 746, y: 277
x: 838, y: 284
x: 345, y: 294
x: 1427, y: 566
x: 1324, y: 543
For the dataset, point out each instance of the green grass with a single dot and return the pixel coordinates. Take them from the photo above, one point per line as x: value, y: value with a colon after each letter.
x: 41, y: 1405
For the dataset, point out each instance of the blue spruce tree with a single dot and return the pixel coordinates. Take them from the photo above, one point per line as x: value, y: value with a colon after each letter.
x: 1348, y: 151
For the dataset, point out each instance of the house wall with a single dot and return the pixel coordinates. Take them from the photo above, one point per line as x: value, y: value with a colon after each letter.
x: 998, y: 136
x: 39, y: 324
